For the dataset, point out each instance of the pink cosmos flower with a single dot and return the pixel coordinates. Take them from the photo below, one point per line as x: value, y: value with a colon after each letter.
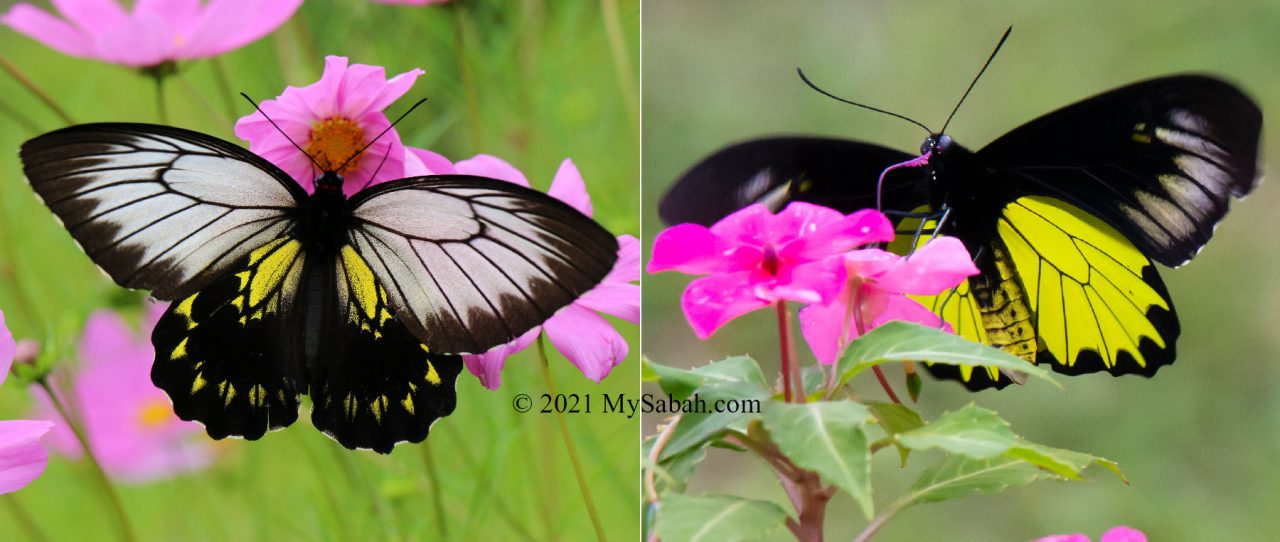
x: 877, y: 283
x: 154, y: 32
x: 333, y: 119
x: 129, y: 422
x: 585, y: 338
x: 756, y: 258
x: 22, y: 457
x: 1115, y: 534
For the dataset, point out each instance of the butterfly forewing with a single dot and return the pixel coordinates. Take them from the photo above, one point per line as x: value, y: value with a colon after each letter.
x: 1158, y: 160
x: 469, y: 263
x: 159, y: 208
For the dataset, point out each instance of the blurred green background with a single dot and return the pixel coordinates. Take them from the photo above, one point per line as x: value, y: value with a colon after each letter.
x: 1200, y: 442
x: 544, y: 85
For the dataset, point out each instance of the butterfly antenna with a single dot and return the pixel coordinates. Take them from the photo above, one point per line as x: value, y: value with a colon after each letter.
x: 851, y: 102
x: 382, y: 133
x: 286, y: 136
x: 979, y: 76
x: 369, y: 181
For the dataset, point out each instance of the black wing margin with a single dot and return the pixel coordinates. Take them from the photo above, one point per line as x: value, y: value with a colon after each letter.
x: 834, y: 173
x: 1159, y: 160
x: 157, y: 207
x: 470, y: 262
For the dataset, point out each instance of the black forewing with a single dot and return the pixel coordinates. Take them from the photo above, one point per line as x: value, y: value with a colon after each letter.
x: 1159, y: 160
x: 157, y: 207
x: 834, y: 173
x: 469, y: 263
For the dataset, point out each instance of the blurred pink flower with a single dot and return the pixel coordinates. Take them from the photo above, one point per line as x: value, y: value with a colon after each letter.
x: 756, y: 258
x: 129, y: 422
x: 1115, y: 534
x: 22, y: 457
x: 333, y: 119
x: 154, y: 32
x: 411, y: 2
x: 876, y: 286
x: 585, y: 338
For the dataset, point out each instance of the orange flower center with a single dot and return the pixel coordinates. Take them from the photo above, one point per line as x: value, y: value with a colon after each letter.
x: 154, y: 414
x: 334, y: 141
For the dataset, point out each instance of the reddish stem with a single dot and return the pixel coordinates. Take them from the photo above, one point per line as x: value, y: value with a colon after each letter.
x: 884, y: 383
x: 784, y: 341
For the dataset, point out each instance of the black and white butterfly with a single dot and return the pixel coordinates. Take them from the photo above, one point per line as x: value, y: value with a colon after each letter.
x: 363, y: 303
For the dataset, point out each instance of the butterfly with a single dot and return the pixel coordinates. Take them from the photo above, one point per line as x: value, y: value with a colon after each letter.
x: 1064, y: 216
x: 364, y: 303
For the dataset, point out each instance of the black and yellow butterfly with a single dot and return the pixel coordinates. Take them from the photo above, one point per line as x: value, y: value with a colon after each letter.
x: 1063, y: 215
x: 363, y: 303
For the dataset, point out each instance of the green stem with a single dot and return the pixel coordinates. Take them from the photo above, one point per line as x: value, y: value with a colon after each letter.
x: 860, y: 326
x: 790, y: 367
x: 160, y: 106
x: 429, y: 461
x: 224, y: 86
x: 24, y: 518
x: 621, y: 61
x: 464, y: 72
x: 568, y: 443
x: 482, y: 480
x: 878, y: 523
x: 17, y: 74
x: 19, y: 119
x: 113, y: 498
x: 357, y: 482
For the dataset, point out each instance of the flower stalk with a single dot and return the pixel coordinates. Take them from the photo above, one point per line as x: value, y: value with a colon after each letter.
x: 39, y: 93
x: 568, y: 443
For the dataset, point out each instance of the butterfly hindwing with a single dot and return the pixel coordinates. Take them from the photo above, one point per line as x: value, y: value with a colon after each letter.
x: 469, y: 263
x: 226, y: 356
x: 374, y: 383
x: 159, y: 208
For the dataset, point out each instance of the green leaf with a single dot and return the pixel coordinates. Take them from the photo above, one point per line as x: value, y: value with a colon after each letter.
x: 673, y: 473
x: 680, y: 383
x: 705, y: 424
x: 972, y: 431
x: 895, y: 418
x: 716, y: 518
x: 826, y: 437
x: 903, y: 341
x: 957, y: 476
x: 1064, y: 463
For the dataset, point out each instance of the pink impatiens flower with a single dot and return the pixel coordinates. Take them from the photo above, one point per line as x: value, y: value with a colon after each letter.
x: 585, y: 338
x: 874, y: 293
x: 756, y: 258
x: 154, y: 31
x: 332, y: 119
x: 1115, y: 534
x: 411, y: 2
x: 22, y: 457
x: 128, y: 421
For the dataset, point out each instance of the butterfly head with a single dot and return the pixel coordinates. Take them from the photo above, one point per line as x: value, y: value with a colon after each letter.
x: 937, y: 145
x: 330, y: 181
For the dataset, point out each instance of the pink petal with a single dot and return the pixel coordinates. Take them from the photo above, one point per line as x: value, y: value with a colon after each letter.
x: 1063, y: 538
x: 22, y: 457
x: 410, y: 2
x: 812, y: 282
x: 710, y: 302
x: 94, y: 16
x: 828, y: 328
x: 106, y: 338
x: 49, y: 30
x: 587, y: 340
x: 940, y: 264
x: 182, y: 15
x: 231, y: 24
x: 8, y: 347
x: 1123, y: 534
x: 615, y: 295
x: 889, y: 307
x: 394, y: 88
x: 419, y: 162
x: 627, y: 268
x: 801, y: 220
x: 696, y: 250
x: 870, y: 263
x: 484, y: 165
x: 488, y: 366
x: 321, y: 97
x: 567, y: 186
x: 143, y: 40
x: 818, y: 234
x: 750, y: 225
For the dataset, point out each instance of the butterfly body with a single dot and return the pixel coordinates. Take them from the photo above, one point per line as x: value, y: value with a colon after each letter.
x: 1065, y: 216
x: 363, y: 303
